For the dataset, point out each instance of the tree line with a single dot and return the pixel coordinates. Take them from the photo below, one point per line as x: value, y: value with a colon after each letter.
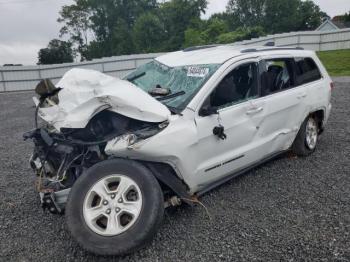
x: 102, y: 28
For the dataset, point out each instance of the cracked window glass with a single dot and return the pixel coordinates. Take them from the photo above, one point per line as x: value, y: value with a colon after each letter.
x: 182, y: 82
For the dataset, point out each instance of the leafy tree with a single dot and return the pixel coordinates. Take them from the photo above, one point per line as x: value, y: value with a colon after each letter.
x: 177, y: 16
x: 110, y: 24
x: 216, y: 31
x: 193, y: 37
x: 276, y: 16
x: 230, y: 37
x: 106, y: 14
x: 310, y: 16
x: 57, y: 52
x: 214, y: 28
x: 254, y: 32
x: 231, y: 21
x: 240, y: 34
x: 345, y: 17
x: 76, y: 20
x: 281, y: 15
x: 148, y: 33
x: 247, y: 12
x: 99, y: 28
x: 121, y: 42
x: 292, y: 15
x: 206, y: 32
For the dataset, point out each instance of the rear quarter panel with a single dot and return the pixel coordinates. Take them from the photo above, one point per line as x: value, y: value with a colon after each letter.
x: 319, y: 92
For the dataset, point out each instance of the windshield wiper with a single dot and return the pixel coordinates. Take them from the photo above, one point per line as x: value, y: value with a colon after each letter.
x: 180, y: 93
x: 174, y: 110
x: 133, y: 78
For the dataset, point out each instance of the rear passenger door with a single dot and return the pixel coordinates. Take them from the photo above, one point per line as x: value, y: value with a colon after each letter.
x: 284, y: 103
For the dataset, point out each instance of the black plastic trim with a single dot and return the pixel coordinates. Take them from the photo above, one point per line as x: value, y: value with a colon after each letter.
x: 223, y: 163
x: 194, y: 48
x: 252, y: 50
x: 166, y: 174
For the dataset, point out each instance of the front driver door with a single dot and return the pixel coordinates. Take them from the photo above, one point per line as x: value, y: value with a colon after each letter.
x: 239, y: 114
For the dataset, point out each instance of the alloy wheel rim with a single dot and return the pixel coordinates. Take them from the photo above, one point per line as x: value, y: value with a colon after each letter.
x: 112, y: 205
x: 311, y: 133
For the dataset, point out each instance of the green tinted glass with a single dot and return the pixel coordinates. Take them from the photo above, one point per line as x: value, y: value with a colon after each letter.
x: 184, y: 78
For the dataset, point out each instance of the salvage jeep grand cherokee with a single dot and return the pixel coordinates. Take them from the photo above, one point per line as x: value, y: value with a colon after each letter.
x: 114, y: 153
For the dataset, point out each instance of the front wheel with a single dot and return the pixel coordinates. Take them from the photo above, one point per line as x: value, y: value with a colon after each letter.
x: 307, y: 137
x: 115, y: 207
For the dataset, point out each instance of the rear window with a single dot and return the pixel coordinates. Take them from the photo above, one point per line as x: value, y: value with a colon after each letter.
x: 306, y: 70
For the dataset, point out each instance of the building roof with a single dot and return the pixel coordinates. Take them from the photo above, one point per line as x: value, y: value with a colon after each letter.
x: 335, y: 24
x: 327, y: 25
x: 341, y: 24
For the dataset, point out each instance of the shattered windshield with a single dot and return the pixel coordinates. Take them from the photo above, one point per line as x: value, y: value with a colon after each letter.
x: 173, y: 86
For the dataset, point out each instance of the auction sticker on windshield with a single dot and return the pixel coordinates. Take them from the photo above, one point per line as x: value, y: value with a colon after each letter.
x: 195, y: 71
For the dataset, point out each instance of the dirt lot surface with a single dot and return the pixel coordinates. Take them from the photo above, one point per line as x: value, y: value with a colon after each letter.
x: 290, y: 209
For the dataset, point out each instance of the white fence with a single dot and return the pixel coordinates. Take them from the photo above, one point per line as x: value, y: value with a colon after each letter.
x: 312, y: 40
x: 26, y: 77
x: 20, y: 78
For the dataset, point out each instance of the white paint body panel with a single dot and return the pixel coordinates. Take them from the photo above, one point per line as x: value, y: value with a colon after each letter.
x: 87, y: 92
x: 213, y: 55
x: 187, y: 144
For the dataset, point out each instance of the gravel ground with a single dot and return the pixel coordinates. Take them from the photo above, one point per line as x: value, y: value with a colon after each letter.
x: 290, y: 209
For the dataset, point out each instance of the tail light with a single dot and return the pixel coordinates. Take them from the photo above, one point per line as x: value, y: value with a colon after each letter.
x: 332, y: 85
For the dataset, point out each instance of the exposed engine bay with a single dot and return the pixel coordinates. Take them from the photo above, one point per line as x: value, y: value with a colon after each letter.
x: 79, y: 118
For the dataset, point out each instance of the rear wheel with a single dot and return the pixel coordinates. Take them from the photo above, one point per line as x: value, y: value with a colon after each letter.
x: 307, y: 137
x: 115, y: 208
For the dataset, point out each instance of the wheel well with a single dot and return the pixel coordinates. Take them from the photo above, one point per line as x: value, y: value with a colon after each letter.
x: 168, y: 180
x: 319, y: 117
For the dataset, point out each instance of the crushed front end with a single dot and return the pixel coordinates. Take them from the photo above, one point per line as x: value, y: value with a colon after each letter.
x: 73, y: 134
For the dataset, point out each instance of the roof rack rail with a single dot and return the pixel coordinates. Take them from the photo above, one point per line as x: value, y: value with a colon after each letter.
x: 194, y: 48
x: 251, y: 50
x: 269, y: 43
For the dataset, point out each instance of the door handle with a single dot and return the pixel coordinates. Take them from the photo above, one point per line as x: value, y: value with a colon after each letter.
x: 254, y: 110
x: 301, y: 95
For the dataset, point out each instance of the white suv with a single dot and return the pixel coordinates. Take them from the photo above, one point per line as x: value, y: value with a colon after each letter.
x: 123, y: 150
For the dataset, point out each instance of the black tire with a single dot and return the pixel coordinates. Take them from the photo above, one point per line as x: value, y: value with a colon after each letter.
x: 300, y: 147
x: 144, y: 228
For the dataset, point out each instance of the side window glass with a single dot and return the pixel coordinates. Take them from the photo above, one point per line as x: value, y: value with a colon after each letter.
x: 277, y: 76
x: 306, y: 70
x: 238, y: 86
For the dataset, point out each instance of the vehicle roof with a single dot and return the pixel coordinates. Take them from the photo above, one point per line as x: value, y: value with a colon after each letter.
x: 219, y: 54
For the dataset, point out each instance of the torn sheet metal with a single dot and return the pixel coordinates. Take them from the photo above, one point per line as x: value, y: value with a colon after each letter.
x: 120, y: 143
x: 87, y: 92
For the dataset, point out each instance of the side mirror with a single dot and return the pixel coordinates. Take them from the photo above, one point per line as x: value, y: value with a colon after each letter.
x: 208, y: 111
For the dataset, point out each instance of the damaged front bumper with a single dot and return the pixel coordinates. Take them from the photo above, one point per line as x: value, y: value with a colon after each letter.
x: 55, y: 202
x: 59, y: 159
x: 87, y: 119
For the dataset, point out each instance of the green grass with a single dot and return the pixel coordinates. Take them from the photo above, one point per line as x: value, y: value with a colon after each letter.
x: 337, y: 62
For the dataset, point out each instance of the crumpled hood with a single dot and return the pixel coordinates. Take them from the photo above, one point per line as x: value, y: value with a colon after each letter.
x: 87, y: 92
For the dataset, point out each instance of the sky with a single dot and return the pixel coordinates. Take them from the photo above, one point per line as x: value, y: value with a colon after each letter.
x: 28, y: 25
